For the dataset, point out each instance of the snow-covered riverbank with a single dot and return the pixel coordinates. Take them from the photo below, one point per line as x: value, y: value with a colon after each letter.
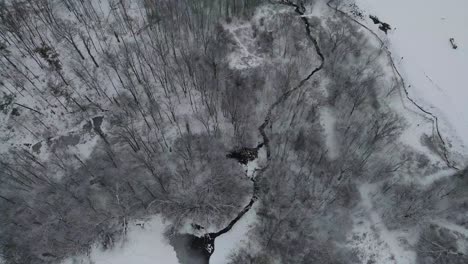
x: 144, y: 244
x: 435, y: 72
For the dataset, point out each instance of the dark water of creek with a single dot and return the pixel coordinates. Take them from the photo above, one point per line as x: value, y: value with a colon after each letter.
x: 191, y: 249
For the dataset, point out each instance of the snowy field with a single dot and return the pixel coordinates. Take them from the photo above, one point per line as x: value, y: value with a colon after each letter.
x: 419, y: 42
x: 436, y: 76
x: 144, y: 244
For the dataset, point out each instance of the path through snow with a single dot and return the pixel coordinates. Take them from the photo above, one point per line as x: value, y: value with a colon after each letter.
x: 372, y: 238
x: 328, y: 120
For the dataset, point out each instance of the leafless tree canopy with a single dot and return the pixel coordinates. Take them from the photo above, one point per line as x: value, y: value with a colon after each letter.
x: 116, y: 110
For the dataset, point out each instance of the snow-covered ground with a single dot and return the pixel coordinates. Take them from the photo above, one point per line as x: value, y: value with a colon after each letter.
x: 243, y: 57
x: 459, y: 231
x: 430, y: 179
x: 144, y: 245
x: 374, y: 242
x: 237, y: 237
x: 328, y: 122
x: 437, y: 76
x: 419, y: 42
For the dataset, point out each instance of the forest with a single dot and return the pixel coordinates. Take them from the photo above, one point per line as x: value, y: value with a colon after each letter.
x: 112, y: 111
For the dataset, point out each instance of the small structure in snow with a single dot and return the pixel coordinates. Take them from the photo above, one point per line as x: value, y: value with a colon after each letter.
x: 385, y: 27
x: 374, y: 19
x: 454, y: 45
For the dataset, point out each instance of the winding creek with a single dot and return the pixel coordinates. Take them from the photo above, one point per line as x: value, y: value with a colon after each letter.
x: 191, y: 249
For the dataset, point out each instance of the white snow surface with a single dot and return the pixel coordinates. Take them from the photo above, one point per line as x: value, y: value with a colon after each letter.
x: 144, y: 245
x: 243, y: 57
x: 460, y: 232
x: 419, y: 42
x: 328, y: 122
x: 227, y: 244
x: 374, y: 241
x: 430, y: 179
x: 453, y: 227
